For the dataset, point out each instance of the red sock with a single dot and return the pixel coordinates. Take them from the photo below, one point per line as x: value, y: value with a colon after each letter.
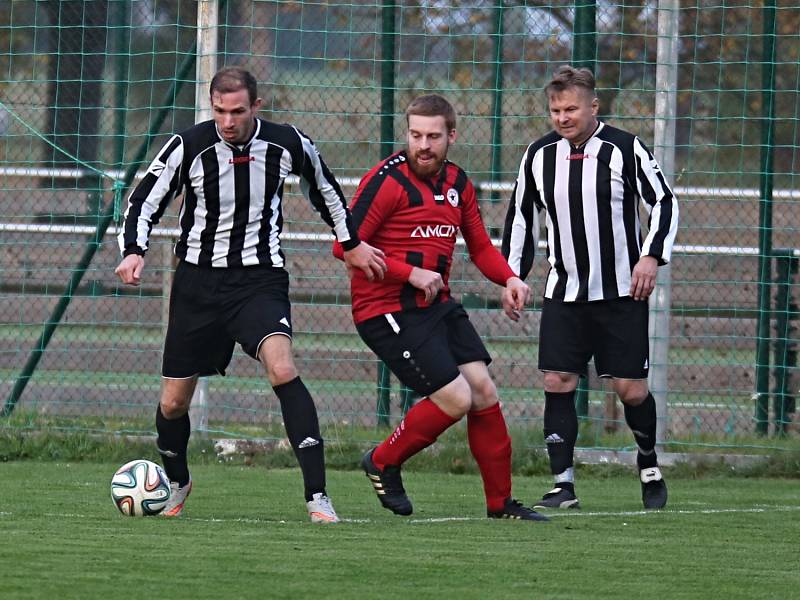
x: 491, y: 447
x: 419, y: 429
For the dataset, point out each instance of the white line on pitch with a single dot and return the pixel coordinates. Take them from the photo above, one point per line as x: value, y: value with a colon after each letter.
x: 631, y: 513
x: 571, y: 513
x: 677, y: 511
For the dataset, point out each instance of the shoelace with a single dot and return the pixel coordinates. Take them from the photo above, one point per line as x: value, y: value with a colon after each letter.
x: 174, y: 490
x: 325, y: 503
x: 516, y: 507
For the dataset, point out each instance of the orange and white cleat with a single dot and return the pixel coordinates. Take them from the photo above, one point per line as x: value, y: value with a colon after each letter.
x: 177, y: 498
x: 320, y: 509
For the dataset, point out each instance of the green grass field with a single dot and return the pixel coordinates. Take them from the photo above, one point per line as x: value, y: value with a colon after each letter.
x: 245, y: 534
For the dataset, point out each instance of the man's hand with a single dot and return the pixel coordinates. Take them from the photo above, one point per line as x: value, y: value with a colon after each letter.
x: 130, y: 269
x: 367, y: 258
x: 643, y: 278
x: 515, y: 296
x: 429, y: 282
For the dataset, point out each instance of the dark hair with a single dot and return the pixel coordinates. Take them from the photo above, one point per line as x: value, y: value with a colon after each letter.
x: 567, y: 77
x: 433, y: 105
x: 233, y: 79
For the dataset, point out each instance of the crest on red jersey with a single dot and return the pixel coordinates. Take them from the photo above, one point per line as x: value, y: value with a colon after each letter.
x: 452, y: 196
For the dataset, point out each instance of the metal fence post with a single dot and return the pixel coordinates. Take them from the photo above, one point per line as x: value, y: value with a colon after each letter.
x: 664, y: 150
x: 584, y: 53
x: 121, y: 65
x: 207, y: 32
x: 786, y: 266
x: 761, y: 394
x: 584, y: 34
x: 384, y: 409
x: 387, y: 77
x: 497, y: 99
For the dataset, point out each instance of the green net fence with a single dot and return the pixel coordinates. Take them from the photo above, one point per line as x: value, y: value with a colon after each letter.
x: 91, y: 89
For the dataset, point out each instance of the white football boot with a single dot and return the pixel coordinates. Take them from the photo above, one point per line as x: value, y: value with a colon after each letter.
x: 177, y: 498
x: 320, y: 509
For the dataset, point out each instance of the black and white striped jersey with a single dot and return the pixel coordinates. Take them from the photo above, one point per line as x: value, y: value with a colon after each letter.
x: 590, y: 197
x: 232, y: 211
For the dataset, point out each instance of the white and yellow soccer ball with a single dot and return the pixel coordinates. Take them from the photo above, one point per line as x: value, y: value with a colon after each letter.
x: 140, y: 488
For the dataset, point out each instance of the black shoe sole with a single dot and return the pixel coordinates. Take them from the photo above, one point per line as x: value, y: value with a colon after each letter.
x: 540, y: 518
x: 576, y: 506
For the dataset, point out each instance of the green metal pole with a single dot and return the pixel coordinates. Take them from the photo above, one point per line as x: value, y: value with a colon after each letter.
x: 121, y: 72
x: 765, y: 219
x: 786, y: 268
x: 497, y: 98
x: 584, y: 35
x: 384, y: 409
x: 386, y: 148
x: 584, y: 53
x: 387, y: 77
x: 407, y: 399
x: 105, y: 219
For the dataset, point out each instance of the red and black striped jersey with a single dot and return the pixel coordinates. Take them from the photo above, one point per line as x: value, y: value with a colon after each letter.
x: 415, y: 222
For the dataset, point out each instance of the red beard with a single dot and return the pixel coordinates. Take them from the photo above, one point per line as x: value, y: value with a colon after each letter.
x: 427, y: 170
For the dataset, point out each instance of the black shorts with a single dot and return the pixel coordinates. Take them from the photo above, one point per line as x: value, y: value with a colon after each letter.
x: 212, y: 309
x: 423, y: 347
x: 614, y: 332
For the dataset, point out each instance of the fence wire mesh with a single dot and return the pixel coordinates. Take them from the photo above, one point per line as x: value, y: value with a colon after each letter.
x: 91, y: 89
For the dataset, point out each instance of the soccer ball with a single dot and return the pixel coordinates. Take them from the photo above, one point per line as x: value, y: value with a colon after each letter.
x: 140, y: 488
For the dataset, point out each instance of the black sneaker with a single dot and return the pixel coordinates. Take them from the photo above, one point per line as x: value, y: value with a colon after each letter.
x: 558, y: 497
x: 654, y: 488
x: 388, y: 485
x: 515, y: 510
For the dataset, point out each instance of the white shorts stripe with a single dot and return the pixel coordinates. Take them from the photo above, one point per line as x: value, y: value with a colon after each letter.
x: 392, y: 322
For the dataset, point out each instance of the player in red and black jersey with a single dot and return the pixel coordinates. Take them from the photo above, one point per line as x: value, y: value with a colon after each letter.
x: 411, y: 206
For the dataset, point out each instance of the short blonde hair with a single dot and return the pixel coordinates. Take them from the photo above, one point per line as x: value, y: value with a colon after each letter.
x: 568, y: 77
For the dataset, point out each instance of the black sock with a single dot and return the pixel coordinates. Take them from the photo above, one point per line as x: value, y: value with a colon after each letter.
x: 302, y: 429
x: 172, y: 442
x: 642, y: 421
x: 560, y: 429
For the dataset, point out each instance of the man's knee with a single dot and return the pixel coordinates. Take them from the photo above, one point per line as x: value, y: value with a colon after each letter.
x: 280, y: 369
x: 631, y: 391
x: 280, y: 372
x: 176, y: 396
x: 558, y: 382
x: 484, y: 394
x: 276, y: 356
x: 455, y: 398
